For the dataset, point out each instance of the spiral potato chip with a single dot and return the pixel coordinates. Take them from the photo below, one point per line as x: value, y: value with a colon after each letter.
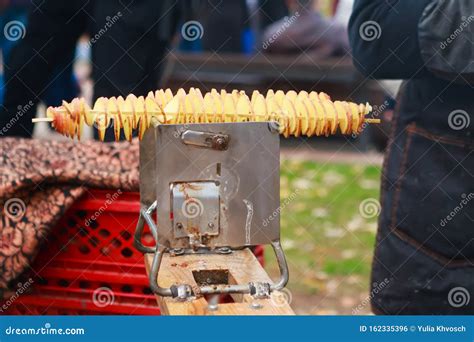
x: 299, y: 114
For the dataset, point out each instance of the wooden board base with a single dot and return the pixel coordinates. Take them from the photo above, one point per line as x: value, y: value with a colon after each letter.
x: 240, y: 267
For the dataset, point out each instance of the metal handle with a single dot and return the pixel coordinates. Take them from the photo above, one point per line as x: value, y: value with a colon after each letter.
x: 282, y: 265
x: 153, y: 278
x: 145, y: 215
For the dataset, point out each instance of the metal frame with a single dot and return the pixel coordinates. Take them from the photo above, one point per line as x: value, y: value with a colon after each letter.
x: 185, y: 291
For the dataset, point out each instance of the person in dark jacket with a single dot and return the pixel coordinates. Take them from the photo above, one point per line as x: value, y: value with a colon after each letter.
x: 425, y: 242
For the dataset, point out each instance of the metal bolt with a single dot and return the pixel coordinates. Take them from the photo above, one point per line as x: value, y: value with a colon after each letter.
x: 179, y: 225
x: 177, y: 251
x: 184, y: 291
x: 213, y: 307
x: 210, y: 225
x: 220, y: 143
x: 225, y: 250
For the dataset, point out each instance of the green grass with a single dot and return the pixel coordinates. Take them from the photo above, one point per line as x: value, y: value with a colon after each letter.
x: 323, y: 234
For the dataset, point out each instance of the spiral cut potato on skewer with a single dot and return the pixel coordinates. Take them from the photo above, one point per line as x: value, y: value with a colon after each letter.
x: 298, y: 114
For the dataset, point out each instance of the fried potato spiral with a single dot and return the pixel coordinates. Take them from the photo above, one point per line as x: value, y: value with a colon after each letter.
x: 303, y: 113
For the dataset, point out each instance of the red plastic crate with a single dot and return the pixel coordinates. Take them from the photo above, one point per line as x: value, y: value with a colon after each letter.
x: 81, y: 259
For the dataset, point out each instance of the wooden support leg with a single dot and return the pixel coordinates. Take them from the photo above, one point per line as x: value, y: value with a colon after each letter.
x: 239, y: 267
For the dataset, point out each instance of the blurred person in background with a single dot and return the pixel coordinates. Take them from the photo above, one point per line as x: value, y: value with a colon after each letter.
x: 128, y: 44
x: 235, y: 26
x: 306, y: 30
x: 38, y: 67
x: 13, y: 21
x: 424, y: 255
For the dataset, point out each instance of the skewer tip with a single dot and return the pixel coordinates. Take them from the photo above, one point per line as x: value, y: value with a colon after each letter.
x: 35, y: 120
x: 373, y: 121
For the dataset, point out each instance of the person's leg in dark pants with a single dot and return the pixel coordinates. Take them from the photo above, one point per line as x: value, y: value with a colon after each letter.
x: 51, y: 36
x: 129, y: 45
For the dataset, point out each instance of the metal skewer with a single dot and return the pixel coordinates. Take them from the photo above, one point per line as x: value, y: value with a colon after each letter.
x: 36, y: 120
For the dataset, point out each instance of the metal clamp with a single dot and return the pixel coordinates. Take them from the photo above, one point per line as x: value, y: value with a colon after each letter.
x: 260, y: 290
x: 214, y: 141
x: 185, y: 291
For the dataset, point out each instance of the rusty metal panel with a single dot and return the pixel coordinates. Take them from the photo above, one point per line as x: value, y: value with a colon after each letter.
x: 240, y: 159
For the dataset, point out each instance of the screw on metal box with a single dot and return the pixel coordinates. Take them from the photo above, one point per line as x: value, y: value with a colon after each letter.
x: 217, y: 184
